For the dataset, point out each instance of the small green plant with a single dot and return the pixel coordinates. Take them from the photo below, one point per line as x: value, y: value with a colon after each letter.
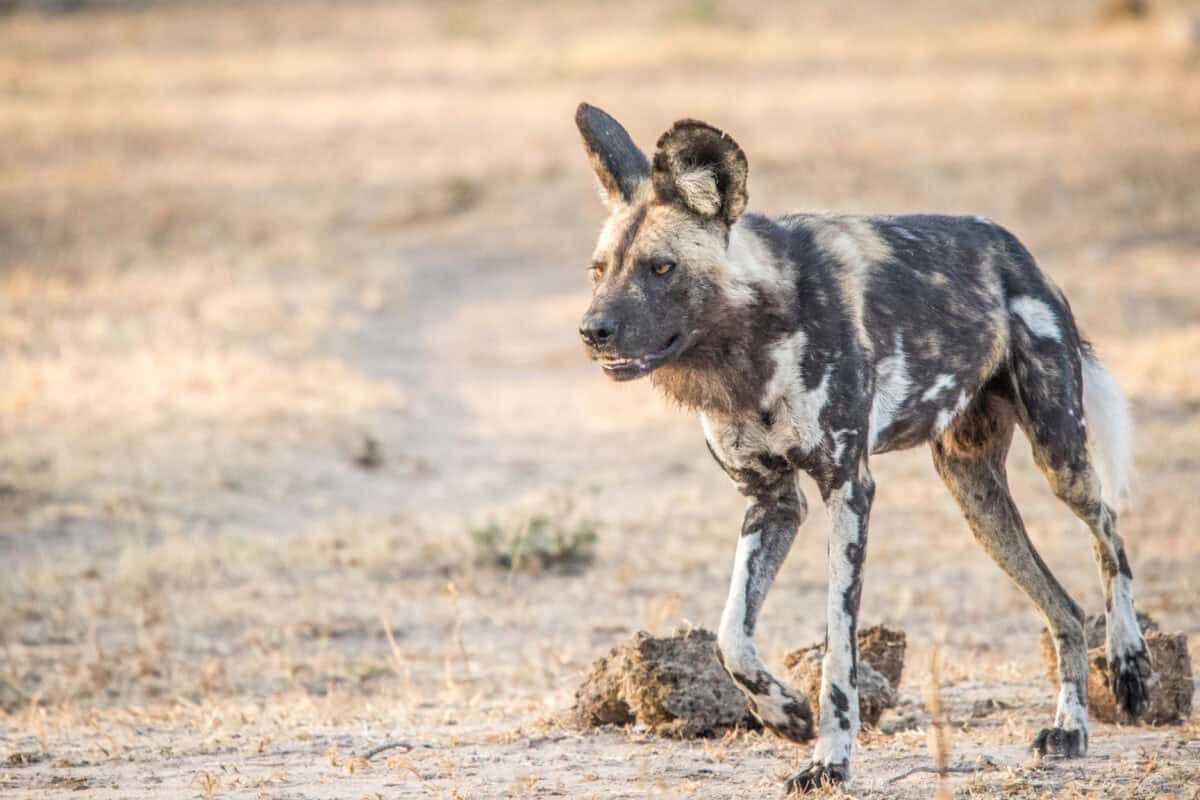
x: 537, y: 542
x: 697, y: 13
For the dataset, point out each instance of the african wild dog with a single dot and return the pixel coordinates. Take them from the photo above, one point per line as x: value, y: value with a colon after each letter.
x: 814, y: 341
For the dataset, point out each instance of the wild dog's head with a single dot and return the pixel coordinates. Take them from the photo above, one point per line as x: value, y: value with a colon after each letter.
x: 657, y: 270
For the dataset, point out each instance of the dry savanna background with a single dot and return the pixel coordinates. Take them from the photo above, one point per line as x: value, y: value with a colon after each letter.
x: 300, y: 455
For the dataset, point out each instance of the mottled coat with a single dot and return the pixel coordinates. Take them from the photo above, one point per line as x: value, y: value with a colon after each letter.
x: 809, y: 343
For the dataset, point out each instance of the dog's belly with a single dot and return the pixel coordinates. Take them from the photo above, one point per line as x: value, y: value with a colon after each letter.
x: 916, y: 427
x: 909, y: 410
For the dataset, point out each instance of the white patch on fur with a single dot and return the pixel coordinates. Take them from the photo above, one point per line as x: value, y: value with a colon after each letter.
x: 836, y: 746
x: 737, y: 648
x: 698, y: 189
x: 941, y: 384
x: 804, y: 410
x: 892, y: 384
x: 948, y: 415
x: 787, y: 353
x: 1038, y: 317
x: 1109, y: 431
x: 749, y: 263
x: 801, y: 408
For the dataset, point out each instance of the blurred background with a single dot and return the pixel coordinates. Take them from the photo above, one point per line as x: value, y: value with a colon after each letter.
x: 295, y: 431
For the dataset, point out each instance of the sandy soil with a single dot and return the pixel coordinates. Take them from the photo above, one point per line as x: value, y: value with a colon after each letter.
x: 287, y: 308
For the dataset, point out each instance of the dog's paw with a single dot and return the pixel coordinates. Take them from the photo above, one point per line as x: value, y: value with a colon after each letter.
x: 791, y: 719
x: 814, y: 777
x: 1060, y: 742
x: 1130, y: 676
x: 796, y: 727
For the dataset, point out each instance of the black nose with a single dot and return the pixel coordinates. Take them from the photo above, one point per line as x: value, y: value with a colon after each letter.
x: 597, y: 329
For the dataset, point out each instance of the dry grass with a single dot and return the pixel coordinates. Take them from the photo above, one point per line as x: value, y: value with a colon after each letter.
x: 939, y: 739
x: 287, y: 301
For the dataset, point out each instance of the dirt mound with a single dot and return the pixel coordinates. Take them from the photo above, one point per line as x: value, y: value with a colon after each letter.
x: 875, y: 693
x: 880, y: 665
x: 673, y: 685
x: 883, y: 648
x: 1171, y: 694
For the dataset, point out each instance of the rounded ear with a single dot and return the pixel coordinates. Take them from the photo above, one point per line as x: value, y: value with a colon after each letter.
x: 620, y: 166
x: 701, y: 168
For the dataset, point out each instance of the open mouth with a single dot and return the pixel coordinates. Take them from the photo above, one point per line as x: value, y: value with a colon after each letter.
x: 625, y: 368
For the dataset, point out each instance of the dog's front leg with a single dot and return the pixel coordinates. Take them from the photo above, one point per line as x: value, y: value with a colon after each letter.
x: 850, y: 506
x: 767, y: 533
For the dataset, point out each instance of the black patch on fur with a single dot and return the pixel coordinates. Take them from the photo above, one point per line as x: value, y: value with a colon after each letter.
x: 1123, y: 563
x: 841, y: 706
x: 772, y: 462
x: 760, y: 684
x: 840, y: 701
x: 1129, y: 679
x: 1060, y: 742
x: 816, y: 776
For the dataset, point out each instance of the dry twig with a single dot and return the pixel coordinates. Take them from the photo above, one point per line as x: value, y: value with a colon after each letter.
x: 941, y: 772
x: 374, y: 751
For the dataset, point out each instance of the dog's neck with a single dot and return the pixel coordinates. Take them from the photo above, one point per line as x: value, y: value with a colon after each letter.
x: 758, y: 301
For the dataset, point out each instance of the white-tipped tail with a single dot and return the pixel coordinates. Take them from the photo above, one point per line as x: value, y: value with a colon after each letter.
x: 1109, y: 430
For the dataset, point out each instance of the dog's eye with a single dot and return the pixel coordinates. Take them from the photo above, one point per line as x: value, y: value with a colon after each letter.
x: 663, y: 267
x: 596, y: 271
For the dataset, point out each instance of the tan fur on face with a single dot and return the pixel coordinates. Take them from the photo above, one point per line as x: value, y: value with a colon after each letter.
x: 669, y: 231
x: 614, y: 231
x: 731, y: 275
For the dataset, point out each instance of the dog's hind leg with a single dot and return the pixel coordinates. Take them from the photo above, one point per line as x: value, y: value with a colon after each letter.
x: 970, y: 458
x: 775, y: 513
x: 1078, y: 425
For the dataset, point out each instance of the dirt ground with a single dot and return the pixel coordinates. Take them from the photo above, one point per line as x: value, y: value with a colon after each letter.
x: 288, y: 298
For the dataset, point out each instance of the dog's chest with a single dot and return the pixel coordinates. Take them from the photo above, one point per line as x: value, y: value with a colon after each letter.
x: 803, y: 419
x: 786, y: 433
